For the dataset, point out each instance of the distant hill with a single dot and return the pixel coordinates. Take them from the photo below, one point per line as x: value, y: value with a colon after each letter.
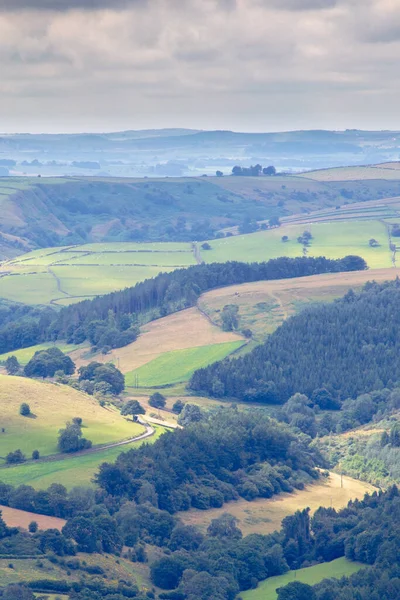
x: 42, y: 212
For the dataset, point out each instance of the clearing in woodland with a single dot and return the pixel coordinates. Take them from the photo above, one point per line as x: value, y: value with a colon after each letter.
x: 264, y: 305
x: 185, y: 329
x: 338, y: 568
x: 52, y: 405
x: 21, y: 518
x: 265, y: 515
x: 179, y: 365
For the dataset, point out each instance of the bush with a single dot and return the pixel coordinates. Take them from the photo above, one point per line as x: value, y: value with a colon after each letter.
x: 71, y: 440
x: 157, y: 400
x: 24, y: 409
x: 16, y: 457
x: 35, y: 455
x: 33, y: 527
x: 178, y: 407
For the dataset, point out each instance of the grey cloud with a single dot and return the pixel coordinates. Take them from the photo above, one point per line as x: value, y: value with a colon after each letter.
x: 65, y: 5
x: 299, y: 5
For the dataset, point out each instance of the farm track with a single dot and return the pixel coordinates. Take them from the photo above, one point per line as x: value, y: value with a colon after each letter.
x: 196, y: 253
x: 58, y: 283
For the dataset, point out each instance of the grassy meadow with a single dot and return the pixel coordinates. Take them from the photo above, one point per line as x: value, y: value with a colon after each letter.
x: 24, y: 355
x: 28, y: 570
x: 264, y: 515
x: 71, y: 472
x: 330, y: 239
x: 69, y: 274
x: 264, y: 305
x: 179, y: 365
x: 266, y: 590
x: 52, y: 405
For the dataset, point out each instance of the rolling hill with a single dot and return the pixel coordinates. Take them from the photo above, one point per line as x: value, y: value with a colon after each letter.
x: 45, y: 212
x: 40, y: 431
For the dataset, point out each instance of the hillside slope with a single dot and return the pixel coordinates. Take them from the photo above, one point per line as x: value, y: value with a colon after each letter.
x: 37, y: 213
x: 51, y: 406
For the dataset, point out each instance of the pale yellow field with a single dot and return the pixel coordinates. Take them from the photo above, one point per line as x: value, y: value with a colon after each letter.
x: 51, y: 406
x: 353, y: 173
x: 185, y: 329
x: 21, y: 518
x: 265, y: 515
x: 264, y: 305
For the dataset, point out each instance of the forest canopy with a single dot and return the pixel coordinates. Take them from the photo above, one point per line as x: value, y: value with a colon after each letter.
x: 348, y: 347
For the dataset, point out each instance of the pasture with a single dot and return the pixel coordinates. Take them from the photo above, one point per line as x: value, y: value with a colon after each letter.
x: 65, y: 275
x: 24, y: 355
x: 28, y: 570
x: 178, y: 365
x: 330, y: 239
x: 380, y: 171
x: 266, y: 590
x: 264, y: 305
x: 70, y: 273
x: 185, y: 329
x: 72, y: 471
x: 264, y: 515
x: 52, y: 405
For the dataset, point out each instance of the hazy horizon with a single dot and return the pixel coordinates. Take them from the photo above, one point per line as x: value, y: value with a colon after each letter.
x: 243, y: 65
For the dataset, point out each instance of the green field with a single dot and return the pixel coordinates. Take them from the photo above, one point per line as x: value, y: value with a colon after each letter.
x: 179, y: 365
x: 266, y: 590
x: 70, y: 472
x: 332, y: 239
x: 52, y: 405
x: 25, y: 354
x: 69, y: 274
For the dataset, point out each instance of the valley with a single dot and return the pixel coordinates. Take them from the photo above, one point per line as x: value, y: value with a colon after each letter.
x: 199, y: 378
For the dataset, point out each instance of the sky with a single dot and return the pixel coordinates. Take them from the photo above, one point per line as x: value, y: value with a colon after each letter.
x: 245, y: 65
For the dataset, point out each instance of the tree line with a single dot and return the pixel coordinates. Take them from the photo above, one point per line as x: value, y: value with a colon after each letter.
x: 111, y: 320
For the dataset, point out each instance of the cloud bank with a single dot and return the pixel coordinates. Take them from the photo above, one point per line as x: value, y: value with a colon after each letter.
x: 240, y: 64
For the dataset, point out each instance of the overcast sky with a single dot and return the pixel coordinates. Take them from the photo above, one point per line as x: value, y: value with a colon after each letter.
x: 255, y: 65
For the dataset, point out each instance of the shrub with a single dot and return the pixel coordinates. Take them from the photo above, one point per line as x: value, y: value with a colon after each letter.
x: 157, y: 400
x: 24, y: 409
x: 35, y: 455
x: 15, y: 457
x: 33, y: 527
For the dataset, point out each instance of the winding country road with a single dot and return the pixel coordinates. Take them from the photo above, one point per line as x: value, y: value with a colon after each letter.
x: 65, y: 456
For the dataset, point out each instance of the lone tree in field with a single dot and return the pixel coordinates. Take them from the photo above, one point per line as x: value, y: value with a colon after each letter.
x: 12, y: 365
x: 133, y: 407
x: 284, y: 238
x: 71, y: 440
x: 178, y: 406
x: 373, y: 243
x: 157, y: 400
x: 219, y: 173
x: 33, y: 527
x: 230, y: 317
x: 24, y: 409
